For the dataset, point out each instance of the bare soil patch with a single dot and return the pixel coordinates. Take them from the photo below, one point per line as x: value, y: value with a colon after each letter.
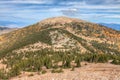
x: 91, y: 71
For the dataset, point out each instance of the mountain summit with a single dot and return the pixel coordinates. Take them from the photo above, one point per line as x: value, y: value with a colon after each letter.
x: 55, y: 44
x: 62, y: 34
x: 61, y: 20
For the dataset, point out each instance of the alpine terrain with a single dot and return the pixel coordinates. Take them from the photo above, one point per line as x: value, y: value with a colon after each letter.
x: 55, y: 44
x: 6, y: 30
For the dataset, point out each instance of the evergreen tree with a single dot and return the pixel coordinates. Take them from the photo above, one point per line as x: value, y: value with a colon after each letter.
x: 77, y: 61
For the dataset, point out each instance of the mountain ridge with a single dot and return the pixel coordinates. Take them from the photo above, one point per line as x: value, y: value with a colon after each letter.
x: 55, y: 44
x: 3, y: 28
x: 75, y: 27
x: 112, y: 25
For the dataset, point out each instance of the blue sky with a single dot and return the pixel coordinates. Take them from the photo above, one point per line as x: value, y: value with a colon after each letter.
x: 20, y: 13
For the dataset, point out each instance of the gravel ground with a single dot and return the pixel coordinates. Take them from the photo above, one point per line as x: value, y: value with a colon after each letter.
x: 91, y: 71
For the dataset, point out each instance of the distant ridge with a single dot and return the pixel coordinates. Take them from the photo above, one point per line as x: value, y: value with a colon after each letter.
x: 112, y: 25
x: 3, y: 28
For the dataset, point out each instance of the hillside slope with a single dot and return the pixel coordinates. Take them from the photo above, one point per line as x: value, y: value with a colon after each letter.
x: 64, y: 33
x: 55, y: 44
x: 6, y: 30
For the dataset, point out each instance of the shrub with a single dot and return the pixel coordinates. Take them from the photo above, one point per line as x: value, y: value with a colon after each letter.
x: 57, y: 70
x: 3, y: 74
x: 117, y: 62
x: 43, y: 71
x: 14, y: 71
x: 73, y: 68
x: 31, y: 75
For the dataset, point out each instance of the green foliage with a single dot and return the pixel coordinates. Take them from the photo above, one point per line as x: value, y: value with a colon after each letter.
x: 48, y: 62
x: 77, y: 61
x: 57, y: 70
x: 102, y: 58
x: 42, y: 36
x: 116, y: 60
x: 14, y: 71
x: 66, y: 61
x: 3, y: 74
x: 43, y: 71
x: 34, y: 61
x: 104, y: 47
x: 73, y: 68
x: 50, y: 59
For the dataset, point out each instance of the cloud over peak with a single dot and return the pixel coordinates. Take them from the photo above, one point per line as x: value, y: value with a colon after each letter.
x: 30, y: 11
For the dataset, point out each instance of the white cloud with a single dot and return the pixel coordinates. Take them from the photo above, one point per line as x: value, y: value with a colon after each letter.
x: 10, y: 10
x: 83, y: 4
x: 95, y: 15
x: 112, y: 16
x: 12, y: 26
x: 27, y: 1
x: 70, y: 11
x: 97, y: 6
x: 74, y: 3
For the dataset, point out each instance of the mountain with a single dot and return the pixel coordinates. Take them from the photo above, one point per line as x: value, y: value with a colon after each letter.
x: 4, y: 30
x: 113, y: 26
x: 64, y: 33
x: 57, y: 39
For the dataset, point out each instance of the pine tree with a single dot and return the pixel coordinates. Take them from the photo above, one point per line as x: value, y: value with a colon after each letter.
x: 77, y: 61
